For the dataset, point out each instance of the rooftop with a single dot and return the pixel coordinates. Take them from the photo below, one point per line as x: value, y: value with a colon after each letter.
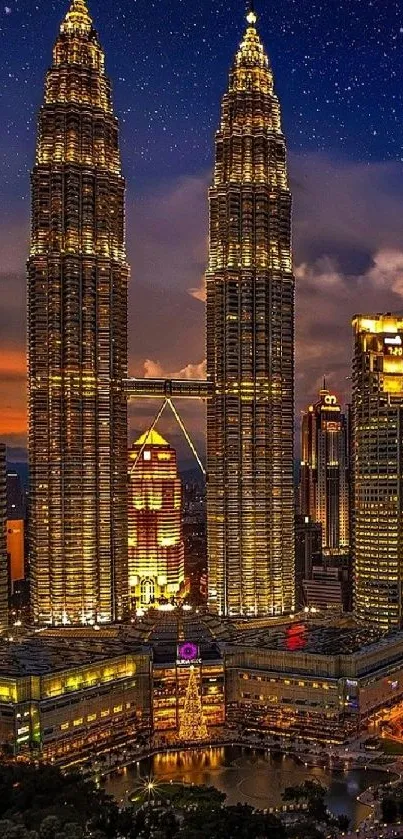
x: 340, y: 638
x: 151, y: 438
x: 51, y: 651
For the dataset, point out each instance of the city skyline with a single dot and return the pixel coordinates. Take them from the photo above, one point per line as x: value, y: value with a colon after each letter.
x: 368, y: 260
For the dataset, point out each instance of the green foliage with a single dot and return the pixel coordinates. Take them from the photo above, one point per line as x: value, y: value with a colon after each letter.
x: 389, y: 810
x: 313, y: 793
x: 11, y: 830
x: 343, y: 822
x: 239, y: 822
x: 43, y: 803
x: 183, y: 795
x: 305, y: 830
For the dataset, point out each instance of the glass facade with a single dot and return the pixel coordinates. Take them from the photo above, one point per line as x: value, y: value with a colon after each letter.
x: 77, y: 323
x: 378, y: 468
x: 170, y: 682
x: 250, y: 349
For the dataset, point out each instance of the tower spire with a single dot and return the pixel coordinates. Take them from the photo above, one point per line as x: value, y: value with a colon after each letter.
x: 251, y: 15
x: 78, y: 18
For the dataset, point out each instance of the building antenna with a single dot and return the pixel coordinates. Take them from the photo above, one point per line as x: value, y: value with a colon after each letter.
x: 251, y: 15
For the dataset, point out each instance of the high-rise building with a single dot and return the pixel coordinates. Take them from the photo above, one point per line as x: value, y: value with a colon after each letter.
x: 324, y: 489
x: 16, y: 513
x: 250, y: 348
x: 77, y: 322
x: 377, y: 450
x: 156, y: 548
x: 308, y: 553
x: 16, y: 499
x: 4, y: 588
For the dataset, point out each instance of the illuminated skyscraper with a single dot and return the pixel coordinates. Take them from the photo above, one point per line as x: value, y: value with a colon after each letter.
x: 377, y: 444
x: 250, y: 349
x: 3, y: 541
x: 156, y: 551
x: 16, y: 514
x: 324, y: 472
x: 77, y: 320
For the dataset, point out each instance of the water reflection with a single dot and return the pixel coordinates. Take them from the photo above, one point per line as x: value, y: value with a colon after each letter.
x: 251, y: 776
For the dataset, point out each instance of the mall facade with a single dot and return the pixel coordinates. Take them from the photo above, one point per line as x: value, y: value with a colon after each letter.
x: 68, y: 695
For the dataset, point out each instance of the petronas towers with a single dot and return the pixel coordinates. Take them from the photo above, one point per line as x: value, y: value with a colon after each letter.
x: 250, y: 349
x: 77, y: 320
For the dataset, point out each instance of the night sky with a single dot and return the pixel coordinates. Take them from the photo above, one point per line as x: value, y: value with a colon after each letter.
x: 338, y: 73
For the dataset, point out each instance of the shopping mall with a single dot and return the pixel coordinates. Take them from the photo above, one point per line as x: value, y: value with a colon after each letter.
x: 67, y: 694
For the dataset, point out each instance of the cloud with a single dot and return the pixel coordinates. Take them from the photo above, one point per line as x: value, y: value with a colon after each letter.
x: 348, y: 253
x: 345, y: 210
x: 199, y: 293
x: 154, y: 369
x: 327, y: 299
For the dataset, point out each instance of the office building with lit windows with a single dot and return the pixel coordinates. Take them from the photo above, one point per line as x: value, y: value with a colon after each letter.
x: 326, y: 682
x: 156, y: 547
x: 67, y: 694
x: 250, y: 349
x: 377, y: 449
x: 16, y: 519
x: 324, y: 491
x: 4, y: 586
x: 77, y: 337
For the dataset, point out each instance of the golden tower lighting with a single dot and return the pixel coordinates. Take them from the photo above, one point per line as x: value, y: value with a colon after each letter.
x: 377, y: 453
x: 77, y: 322
x: 156, y: 548
x: 250, y: 348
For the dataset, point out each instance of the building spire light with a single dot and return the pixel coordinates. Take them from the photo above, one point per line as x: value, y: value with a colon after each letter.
x: 78, y: 18
x: 251, y: 15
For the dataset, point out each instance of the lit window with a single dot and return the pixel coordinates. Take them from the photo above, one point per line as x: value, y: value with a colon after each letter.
x: 147, y: 455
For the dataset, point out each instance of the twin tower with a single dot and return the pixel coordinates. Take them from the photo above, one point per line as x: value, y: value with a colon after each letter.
x: 77, y: 322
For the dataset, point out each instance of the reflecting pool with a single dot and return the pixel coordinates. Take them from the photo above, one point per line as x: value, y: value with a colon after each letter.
x: 250, y: 776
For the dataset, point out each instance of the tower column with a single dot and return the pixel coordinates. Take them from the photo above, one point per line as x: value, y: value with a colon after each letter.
x: 250, y: 349
x: 77, y: 340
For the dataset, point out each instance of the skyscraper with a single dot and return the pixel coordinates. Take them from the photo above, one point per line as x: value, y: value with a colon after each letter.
x: 77, y: 321
x: 324, y: 487
x: 377, y: 448
x: 156, y: 549
x: 3, y: 542
x: 16, y: 514
x: 250, y: 348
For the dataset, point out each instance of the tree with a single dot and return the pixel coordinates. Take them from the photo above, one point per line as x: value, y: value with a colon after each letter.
x: 49, y: 828
x: 239, y: 822
x: 192, y: 724
x: 389, y: 810
x: 11, y: 830
x: 305, y: 830
x: 343, y: 822
x: 314, y: 794
x: 71, y: 831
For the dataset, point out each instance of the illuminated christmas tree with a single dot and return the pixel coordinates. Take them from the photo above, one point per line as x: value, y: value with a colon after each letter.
x: 192, y: 725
